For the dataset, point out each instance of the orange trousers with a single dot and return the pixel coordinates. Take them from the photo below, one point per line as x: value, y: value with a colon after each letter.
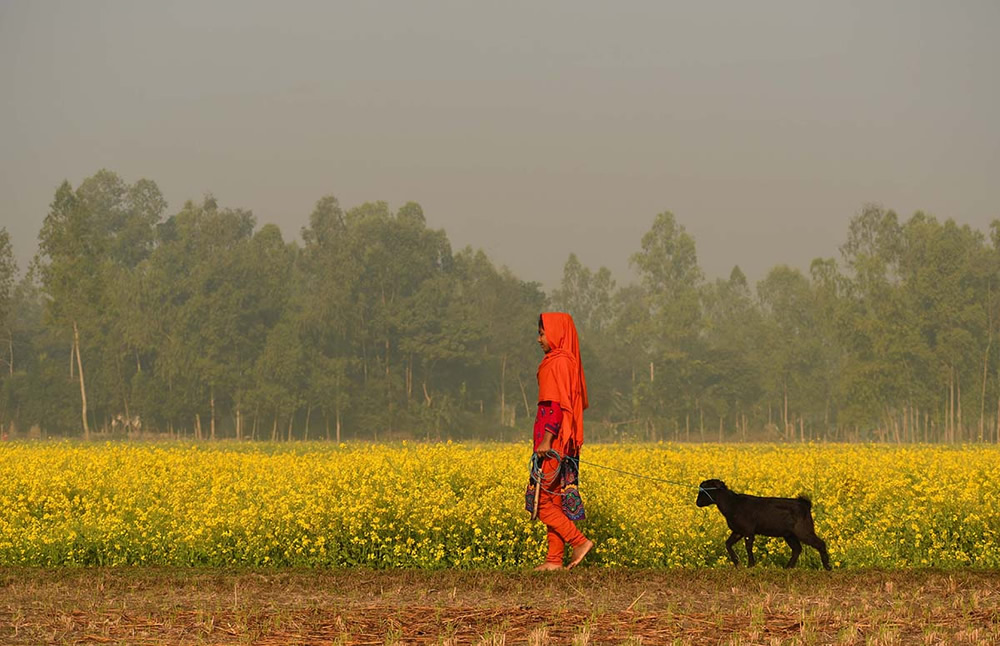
x: 561, y: 530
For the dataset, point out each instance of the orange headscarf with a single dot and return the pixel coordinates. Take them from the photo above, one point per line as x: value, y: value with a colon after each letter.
x: 560, y: 378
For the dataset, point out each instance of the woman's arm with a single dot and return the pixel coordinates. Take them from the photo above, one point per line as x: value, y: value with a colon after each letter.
x: 550, y: 417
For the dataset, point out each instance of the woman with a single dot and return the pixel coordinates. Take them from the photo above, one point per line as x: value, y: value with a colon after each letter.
x: 562, y: 398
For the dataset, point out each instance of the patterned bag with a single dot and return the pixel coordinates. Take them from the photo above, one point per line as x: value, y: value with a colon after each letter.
x: 572, y: 503
x: 569, y: 489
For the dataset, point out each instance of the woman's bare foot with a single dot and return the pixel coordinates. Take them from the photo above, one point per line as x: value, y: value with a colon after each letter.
x: 548, y: 566
x: 579, y: 552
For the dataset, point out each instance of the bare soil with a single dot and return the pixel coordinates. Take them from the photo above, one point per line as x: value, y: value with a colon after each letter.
x: 583, y: 606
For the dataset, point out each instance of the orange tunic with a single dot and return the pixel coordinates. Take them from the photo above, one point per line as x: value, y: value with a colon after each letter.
x: 561, y: 379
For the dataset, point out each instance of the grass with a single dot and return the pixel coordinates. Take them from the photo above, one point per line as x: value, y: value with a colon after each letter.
x: 584, y: 607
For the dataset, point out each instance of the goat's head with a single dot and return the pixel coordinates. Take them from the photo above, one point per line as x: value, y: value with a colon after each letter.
x: 706, y: 492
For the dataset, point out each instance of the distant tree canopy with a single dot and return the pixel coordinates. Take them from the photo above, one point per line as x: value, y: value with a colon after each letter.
x: 202, y: 324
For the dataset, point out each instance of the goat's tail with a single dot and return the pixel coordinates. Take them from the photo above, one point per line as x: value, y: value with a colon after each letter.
x: 804, y: 498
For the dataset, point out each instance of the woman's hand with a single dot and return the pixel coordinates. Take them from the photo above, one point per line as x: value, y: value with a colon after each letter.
x: 545, y: 445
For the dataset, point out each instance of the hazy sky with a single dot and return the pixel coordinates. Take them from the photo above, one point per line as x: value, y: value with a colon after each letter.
x: 530, y: 129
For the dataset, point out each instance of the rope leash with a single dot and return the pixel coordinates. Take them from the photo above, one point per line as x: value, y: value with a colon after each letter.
x: 538, y: 474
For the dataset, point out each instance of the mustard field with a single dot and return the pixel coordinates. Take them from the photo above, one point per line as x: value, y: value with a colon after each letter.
x: 450, y: 505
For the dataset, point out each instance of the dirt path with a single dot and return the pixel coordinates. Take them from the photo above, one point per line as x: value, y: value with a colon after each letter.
x: 587, y: 606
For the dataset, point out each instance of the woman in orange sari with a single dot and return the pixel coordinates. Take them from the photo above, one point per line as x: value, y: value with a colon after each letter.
x: 562, y: 398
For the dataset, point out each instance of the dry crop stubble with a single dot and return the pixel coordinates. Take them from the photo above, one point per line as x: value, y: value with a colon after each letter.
x: 163, y: 606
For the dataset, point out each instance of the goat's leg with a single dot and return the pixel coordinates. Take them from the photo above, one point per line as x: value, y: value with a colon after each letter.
x: 817, y: 542
x: 749, y: 543
x: 796, y: 546
x: 732, y: 540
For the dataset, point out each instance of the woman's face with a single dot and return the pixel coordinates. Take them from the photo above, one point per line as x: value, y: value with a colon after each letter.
x: 544, y: 342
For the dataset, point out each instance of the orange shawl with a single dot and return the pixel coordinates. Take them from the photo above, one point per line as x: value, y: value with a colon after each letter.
x: 560, y: 379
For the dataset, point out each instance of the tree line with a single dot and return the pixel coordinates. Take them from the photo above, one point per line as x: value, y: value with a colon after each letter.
x: 202, y: 324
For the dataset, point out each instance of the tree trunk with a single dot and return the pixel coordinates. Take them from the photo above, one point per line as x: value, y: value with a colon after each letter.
x: 338, y: 424
x: 958, y: 396
x: 274, y: 428
x: 409, y: 377
x: 503, y: 391
x: 982, y: 401
x: 996, y: 437
x: 784, y: 414
x: 305, y: 435
x: 239, y: 423
x: 211, y: 403
x: 524, y: 395
x: 124, y: 393
x: 388, y: 382
x: 291, y: 419
x: 197, y: 426
x: 949, y: 431
x: 83, y: 387
x: 905, y: 432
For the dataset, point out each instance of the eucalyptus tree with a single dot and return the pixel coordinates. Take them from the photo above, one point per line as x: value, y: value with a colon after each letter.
x: 214, y: 289
x: 36, y: 392
x: 829, y: 285
x: 793, y: 357
x: 91, y: 238
x: 441, y: 338
x: 265, y: 280
x: 733, y: 331
x: 948, y: 274
x: 281, y: 374
x: 329, y: 319
x: 876, y: 326
x: 670, y: 277
x: 395, y: 254
x: 625, y: 359
x: 8, y: 274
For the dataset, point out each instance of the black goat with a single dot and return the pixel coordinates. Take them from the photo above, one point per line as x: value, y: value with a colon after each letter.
x: 748, y: 516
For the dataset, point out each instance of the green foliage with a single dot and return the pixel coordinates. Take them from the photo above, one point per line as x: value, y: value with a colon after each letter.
x: 202, y: 321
